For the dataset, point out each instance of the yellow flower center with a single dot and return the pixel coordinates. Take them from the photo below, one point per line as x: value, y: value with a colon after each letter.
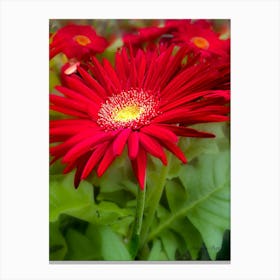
x: 128, y: 113
x: 200, y: 42
x: 131, y: 108
x: 82, y: 40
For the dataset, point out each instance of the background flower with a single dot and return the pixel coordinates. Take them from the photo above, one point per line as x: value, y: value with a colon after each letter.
x: 77, y: 41
x: 203, y: 36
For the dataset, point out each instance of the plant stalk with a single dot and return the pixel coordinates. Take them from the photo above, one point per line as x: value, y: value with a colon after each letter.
x: 135, y: 240
x: 156, y: 199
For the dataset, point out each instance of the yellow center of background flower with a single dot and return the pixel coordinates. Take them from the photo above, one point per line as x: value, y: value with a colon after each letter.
x: 128, y: 113
x: 82, y: 40
x: 200, y: 42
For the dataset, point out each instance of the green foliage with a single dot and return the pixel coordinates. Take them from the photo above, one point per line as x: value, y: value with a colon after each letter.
x: 112, y: 246
x: 94, y: 222
x: 198, y: 198
x: 58, y: 246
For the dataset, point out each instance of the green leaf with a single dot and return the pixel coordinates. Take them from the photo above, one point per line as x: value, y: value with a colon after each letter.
x: 54, y: 80
x: 190, y: 234
x: 80, y: 247
x: 206, y: 206
x: 122, y: 225
x: 64, y: 198
x: 193, y: 147
x: 110, y: 52
x: 176, y: 194
x: 120, y: 197
x: 119, y: 176
x: 112, y: 246
x: 211, y: 218
x: 155, y: 254
x: 58, y: 246
x: 79, y: 203
x: 170, y: 244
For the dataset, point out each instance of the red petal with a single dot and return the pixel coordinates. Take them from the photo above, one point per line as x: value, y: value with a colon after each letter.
x: 120, y: 141
x: 92, y: 82
x: 161, y: 63
x: 75, y: 83
x: 133, y: 144
x: 80, y: 167
x: 188, y: 132
x: 66, y: 130
x: 205, y: 119
x: 72, y: 122
x: 61, y: 149
x: 173, y: 65
x: 185, y: 115
x: 54, y: 52
x: 169, y: 104
x: 141, y: 66
x: 160, y: 132
x: 67, y: 111
x: 69, y: 167
x: 106, y: 161
x: 111, y: 73
x: 94, y: 159
x: 153, y: 147
x: 71, y: 104
x: 121, y: 70
x: 76, y: 96
x: 175, y: 150
x: 139, y: 167
x: 152, y: 68
x: 102, y: 76
x: 85, y: 145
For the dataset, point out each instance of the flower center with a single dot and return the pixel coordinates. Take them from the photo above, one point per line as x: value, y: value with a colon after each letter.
x: 132, y: 108
x: 128, y: 113
x: 200, y: 42
x: 82, y: 40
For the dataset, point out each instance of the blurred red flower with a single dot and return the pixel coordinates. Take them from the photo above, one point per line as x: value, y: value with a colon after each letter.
x: 77, y: 41
x: 199, y: 35
x: 145, y: 102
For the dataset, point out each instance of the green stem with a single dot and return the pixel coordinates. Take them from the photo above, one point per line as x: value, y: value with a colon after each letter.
x: 134, y: 243
x: 159, y: 187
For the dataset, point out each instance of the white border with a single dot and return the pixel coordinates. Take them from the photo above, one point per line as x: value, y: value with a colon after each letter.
x: 24, y: 138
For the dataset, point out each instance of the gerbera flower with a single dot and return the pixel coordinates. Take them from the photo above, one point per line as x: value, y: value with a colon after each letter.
x: 77, y: 41
x: 200, y: 36
x: 145, y: 103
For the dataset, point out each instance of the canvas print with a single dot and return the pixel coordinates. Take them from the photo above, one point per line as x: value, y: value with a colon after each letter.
x: 139, y: 130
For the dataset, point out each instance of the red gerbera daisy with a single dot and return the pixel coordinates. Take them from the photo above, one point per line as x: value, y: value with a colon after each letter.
x: 77, y: 41
x: 200, y: 36
x: 145, y: 102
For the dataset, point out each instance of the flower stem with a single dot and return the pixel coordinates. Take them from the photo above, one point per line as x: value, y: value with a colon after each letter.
x: 135, y: 240
x: 159, y: 187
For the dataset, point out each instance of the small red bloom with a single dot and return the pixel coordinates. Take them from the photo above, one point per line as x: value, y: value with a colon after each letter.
x: 77, y: 41
x: 200, y: 36
x: 145, y: 102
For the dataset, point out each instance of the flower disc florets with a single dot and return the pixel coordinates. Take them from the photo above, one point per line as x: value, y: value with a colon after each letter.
x: 131, y: 108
